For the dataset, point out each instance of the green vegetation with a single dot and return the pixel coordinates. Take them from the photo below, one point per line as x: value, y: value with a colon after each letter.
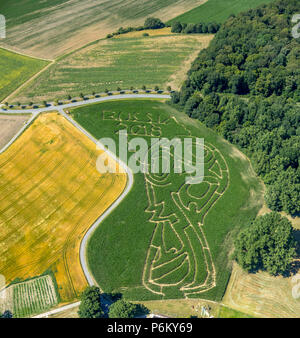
x: 90, y: 306
x: 16, y: 69
x: 153, y: 23
x: 18, y: 12
x: 267, y: 244
x: 217, y: 10
x: 123, y: 309
x: 120, y: 62
x: 33, y: 296
x: 6, y: 314
x: 254, y: 55
x: 150, y: 23
x: 228, y: 197
x: 193, y: 28
x: 226, y: 312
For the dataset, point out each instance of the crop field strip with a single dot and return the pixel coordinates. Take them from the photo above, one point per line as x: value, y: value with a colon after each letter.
x: 46, y: 188
x: 217, y: 10
x: 27, y: 298
x: 123, y: 62
x: 31, y: 28
x: 179, y: 232
x: 16, y: 69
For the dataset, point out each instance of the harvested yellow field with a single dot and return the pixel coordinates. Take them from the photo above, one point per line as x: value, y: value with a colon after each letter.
x: 51, y: 193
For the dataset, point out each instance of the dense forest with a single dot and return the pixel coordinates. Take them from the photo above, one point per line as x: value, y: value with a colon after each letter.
x: 246, y: 86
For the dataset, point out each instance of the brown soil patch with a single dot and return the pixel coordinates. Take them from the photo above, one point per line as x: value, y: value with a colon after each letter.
x: 9, y: 126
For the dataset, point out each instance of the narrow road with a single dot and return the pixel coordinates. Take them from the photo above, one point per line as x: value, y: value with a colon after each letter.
x: 130, y: 180
x: 87, y: 236
x: 20, y: 132
x: 58, y: 310
x: 3, y: 110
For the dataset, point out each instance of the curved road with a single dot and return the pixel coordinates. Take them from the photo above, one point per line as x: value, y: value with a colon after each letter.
x: 82, y: 103
x: 36, y: 112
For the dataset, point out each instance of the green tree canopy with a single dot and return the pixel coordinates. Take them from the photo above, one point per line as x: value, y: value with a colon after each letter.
x: 267, y: 244
x: 90, y: 306
x: 176, y: 27
x: 253, y: 54
x: 153, y: 23
x: 6, y: 314
x: 123, y: 309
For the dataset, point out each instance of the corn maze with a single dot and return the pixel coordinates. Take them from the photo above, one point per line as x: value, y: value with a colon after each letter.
x: 30, y: 297
x: 178, y: 260
x: 169, y: 239
x: 179, y: 255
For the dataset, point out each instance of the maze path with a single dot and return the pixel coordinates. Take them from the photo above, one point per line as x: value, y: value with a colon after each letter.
x: 187, y: 228
x: 178, y: 258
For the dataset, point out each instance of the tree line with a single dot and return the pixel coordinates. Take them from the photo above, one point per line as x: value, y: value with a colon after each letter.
x: 96, y: 305
x: 197, y: 28
x: 246, y: 86
x: 177, y: 27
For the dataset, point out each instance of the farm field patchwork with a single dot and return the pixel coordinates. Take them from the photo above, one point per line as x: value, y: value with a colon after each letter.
x: 51, y: 193
x: 51, y: 28
x: 119, y: 62
x: 9, y: 126
x: 217, y: 10
x: 182, y: 234
x: 15, y: 69
x: 30, y: 297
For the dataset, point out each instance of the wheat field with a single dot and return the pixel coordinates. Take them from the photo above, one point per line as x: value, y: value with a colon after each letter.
x: 51, y: 193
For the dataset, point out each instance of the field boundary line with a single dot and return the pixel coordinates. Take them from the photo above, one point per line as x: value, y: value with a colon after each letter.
x: 24, y: 54
x: 58, y: 310
x: 129, y: 184
x: 28, y: 81
x: 19, y: 133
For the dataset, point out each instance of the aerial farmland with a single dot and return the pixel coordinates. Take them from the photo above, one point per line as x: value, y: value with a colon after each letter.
x: 149, y: 159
